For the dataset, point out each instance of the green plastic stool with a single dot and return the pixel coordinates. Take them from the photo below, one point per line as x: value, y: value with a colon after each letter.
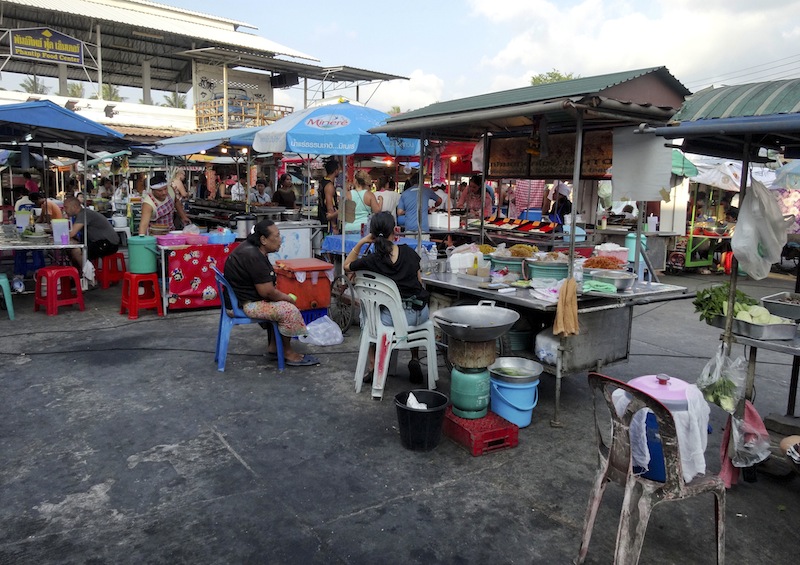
x: 6, y: 286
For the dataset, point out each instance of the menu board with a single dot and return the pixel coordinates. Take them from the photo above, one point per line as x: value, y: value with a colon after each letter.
x: 509, y: 157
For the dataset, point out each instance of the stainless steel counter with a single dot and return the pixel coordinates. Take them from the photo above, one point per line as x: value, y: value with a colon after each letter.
x: 595, y: 346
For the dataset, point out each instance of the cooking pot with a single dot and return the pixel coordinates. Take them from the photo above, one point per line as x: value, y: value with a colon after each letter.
x: 483, y: 322
x: 290, y: 215
x: 243, y: 224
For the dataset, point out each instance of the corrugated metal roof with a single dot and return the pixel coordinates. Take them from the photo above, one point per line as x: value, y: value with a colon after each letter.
x: 756, y: 99
x: 539, y: 93
x: 204, y: 15
x: 607, y: 101
x: 164, y: 19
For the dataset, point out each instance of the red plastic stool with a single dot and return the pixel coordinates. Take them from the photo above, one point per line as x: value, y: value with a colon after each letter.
x: 47, y: 293
x: 110, y: 269
x: 132, y: 300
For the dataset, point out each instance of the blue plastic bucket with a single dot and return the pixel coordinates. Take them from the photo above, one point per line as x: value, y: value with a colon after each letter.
x: 514, y: 402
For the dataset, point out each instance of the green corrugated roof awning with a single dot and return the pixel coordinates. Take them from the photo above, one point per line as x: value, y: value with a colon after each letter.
x: 758, y: 99
x: 682, y: 166
x: 107, y: 157
x: 539, y: 93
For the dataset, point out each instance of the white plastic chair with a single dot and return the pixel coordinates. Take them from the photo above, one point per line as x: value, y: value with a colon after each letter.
x: 375, y: 291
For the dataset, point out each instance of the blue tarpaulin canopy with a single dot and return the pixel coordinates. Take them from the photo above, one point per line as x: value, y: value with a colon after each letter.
x: 44, y: 121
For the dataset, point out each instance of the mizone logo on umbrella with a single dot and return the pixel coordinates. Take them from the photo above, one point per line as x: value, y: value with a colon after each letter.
x: 328, y: 121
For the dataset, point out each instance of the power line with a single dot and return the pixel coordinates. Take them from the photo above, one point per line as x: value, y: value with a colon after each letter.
x: 755, y: 72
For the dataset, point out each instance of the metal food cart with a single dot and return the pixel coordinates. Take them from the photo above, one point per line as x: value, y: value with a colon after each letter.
x: 595, y: 347
x: 556, y: 131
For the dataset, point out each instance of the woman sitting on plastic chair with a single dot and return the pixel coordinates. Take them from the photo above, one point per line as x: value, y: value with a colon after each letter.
x: 401, y: 264
x: 252, y: 278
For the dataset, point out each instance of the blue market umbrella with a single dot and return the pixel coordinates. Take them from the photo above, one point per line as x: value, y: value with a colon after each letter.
x: 333, y: 129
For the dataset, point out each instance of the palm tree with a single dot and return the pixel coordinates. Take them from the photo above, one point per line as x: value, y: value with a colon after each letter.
x: 75, y: 90
x: 33, y: 85
x: 394, y: 110
x: 110, y: 93
x: 175, y: 100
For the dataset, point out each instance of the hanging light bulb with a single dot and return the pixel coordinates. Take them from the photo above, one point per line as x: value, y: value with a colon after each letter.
x: 243, y: 150
x: 223, y: 150
x: 453, y: 158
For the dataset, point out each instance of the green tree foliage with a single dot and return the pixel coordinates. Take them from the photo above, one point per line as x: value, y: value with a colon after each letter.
x: 552, y: 76
x: 175, y: 100
x: 110, y: 93
x: 33, y: 85
x: 76, y: 90
x: 394, y: 110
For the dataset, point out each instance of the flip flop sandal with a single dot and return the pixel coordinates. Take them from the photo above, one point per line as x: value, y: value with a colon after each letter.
x: 306, y: 361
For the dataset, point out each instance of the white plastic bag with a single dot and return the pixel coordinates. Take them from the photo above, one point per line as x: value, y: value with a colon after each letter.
x: 322, y: 331
x: 751, y: 444
x: 546, y: 346
x: 722, y: 380
x: 760, y: 232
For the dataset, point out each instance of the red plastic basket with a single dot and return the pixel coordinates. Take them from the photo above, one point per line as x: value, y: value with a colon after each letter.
x: 482, y: 435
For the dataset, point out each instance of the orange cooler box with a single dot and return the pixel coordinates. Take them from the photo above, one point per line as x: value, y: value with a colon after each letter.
x: 308, y: 279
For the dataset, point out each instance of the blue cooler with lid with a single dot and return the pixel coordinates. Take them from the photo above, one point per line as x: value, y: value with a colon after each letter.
x: 671, y: 392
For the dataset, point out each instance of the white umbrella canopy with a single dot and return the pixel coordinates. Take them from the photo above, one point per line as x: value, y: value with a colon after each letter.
x: 726, y: 174
x: 788, y: 176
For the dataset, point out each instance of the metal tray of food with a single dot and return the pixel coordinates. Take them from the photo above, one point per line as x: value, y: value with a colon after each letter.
x: 758, y: 331
x: 779, y: 305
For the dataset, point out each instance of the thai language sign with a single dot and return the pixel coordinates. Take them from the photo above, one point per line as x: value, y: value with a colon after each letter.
x: 511, y: 158
x: 46, y: 45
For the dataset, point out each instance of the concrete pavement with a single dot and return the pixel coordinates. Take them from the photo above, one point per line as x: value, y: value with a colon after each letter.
x: 121, y: 443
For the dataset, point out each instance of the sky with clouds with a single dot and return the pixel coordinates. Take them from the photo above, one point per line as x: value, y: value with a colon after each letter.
x: 455, y: 48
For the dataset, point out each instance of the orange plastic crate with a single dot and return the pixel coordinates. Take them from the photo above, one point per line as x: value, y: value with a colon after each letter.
x: 482, y: 435
x: 315, y: 291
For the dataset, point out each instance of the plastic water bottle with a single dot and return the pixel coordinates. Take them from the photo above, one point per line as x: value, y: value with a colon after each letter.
x: 577, y: 274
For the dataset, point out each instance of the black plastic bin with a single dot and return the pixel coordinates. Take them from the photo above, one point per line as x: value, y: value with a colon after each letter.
x: 421, y: 430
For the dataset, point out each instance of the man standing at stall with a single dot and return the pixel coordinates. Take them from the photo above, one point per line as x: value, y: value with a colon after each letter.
x: 407, y: 206
x: 100, y: 236
x: 328, y: 200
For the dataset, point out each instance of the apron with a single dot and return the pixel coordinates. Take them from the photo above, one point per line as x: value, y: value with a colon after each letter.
x: 163, y: 215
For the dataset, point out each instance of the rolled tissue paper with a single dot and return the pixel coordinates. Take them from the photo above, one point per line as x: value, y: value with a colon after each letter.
x: 415, y: 404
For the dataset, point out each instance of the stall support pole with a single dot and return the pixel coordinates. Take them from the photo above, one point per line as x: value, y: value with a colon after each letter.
x: 423, y: 143
x: 576, y: 180
x: 484, y: 173
x: 727, y: 336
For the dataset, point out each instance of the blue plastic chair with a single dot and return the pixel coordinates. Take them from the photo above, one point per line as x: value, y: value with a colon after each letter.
x: 227, y: 321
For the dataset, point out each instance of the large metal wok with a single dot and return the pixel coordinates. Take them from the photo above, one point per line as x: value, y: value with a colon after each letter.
x: 484, y: 322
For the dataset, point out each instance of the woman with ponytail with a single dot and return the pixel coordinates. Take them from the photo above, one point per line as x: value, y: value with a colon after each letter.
x: 401, y: 264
